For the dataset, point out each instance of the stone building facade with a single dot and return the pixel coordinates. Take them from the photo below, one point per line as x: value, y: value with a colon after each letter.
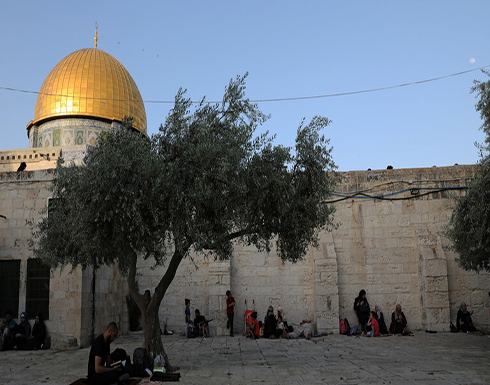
x: 394, y: 249
x: 392, y: 246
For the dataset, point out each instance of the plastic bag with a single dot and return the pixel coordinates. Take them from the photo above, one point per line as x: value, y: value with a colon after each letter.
x: 159, y: 364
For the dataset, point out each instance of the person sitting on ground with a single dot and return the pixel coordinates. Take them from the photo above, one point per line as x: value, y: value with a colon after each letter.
x: 270, y: 325
x: 38, y: 336
x: 381, y: 320
x: 99, y: 370
x: 305, y: 328
x: 200, y: 325
x: 280, y: 322
x: 22, y: 332
x: 374, y: 325
x: 253, y: 328
x: 362, y: 309
x: 399, y: 322
x: 463, y: 320
x: 281, y: 318
x: 7, y: 327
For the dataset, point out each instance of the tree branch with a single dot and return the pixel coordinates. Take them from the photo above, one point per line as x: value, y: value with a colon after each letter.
x: 169, y: 275
x: 228, y: 237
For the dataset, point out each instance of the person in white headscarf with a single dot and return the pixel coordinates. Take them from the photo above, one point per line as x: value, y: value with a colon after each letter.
x: 381, y: 320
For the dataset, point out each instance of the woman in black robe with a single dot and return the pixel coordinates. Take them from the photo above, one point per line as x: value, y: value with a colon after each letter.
x: 361, y: 306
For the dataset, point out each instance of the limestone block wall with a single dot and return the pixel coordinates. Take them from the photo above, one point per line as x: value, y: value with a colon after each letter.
x: 65, y: 308
x: 395, y: 249
x: 110, y: 302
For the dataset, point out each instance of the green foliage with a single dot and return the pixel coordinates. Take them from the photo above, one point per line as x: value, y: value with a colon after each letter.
x: 482, y: 89
x: 469, y: 226
x: 199, y: 184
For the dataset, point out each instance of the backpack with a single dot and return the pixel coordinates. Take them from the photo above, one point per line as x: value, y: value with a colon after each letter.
x: 119, y: 355
x: 353, y: 330
x: 344, y: 326
x: 141, y: 362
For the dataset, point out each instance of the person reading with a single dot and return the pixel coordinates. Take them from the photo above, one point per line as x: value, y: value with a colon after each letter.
x: 100, y: 371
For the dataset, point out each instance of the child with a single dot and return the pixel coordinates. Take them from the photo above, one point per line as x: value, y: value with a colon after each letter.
x: 374, y: 325
x: 253, y: 328
x: 188, y: 321
x: 230, y: 311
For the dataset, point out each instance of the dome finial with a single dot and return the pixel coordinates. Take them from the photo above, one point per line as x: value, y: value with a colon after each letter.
x: 95, y: 37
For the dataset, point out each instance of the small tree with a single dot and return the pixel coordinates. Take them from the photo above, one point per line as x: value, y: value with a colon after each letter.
x: 200, y: 184
x: 469, y: 226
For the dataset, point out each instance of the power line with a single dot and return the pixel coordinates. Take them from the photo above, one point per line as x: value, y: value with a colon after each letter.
x: 270, y: 100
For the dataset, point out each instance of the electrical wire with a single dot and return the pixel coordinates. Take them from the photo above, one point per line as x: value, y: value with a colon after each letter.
x: 270, y: 100
x: 431, y: 190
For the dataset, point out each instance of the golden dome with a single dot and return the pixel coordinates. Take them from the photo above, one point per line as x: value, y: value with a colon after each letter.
x: 92, y: 83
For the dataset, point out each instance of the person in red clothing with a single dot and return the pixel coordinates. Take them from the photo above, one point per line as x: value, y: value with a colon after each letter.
x: 230, y: 311
x: 253, y: 328
x: 374, y: 325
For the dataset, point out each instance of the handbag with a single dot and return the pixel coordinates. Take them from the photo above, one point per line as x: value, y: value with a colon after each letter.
x: 392, y: 328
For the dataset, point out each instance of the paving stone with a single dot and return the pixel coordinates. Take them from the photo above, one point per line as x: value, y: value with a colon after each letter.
x: 431, y: 359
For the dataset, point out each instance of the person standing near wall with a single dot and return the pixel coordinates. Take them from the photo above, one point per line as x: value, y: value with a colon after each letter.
x: 230, y: 311
x: 361, y: 306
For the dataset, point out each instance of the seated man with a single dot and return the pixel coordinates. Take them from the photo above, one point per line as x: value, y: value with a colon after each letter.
x: 6, y: 331
x: 305, y: 329
x: 99, y: 370
x: 200, y: 325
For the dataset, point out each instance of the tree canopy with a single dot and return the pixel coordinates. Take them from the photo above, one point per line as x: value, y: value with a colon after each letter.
x: 199, y: 184
x: 469, y: 226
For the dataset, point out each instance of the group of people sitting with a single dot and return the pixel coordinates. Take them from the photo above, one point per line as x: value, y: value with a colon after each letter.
x: 198, y: 327
x: 372, y: 323
x: 21, y: 336
x: 276, y: 326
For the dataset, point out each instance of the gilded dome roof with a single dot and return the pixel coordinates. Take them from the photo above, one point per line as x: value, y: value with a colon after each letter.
x: 90, y: 82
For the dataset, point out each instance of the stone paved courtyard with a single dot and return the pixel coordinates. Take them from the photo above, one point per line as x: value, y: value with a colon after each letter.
x: 441, y: 358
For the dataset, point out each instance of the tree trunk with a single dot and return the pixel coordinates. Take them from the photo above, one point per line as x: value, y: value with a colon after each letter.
x: 149, y: 306
x: 153, y: 337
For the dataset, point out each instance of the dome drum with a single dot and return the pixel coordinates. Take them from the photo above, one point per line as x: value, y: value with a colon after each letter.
x: 72, y: 131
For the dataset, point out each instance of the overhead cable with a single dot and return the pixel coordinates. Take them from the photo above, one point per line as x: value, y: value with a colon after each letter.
x: 273, y: 99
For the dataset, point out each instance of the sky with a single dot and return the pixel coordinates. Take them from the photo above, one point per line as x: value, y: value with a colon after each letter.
x: 290, y: 49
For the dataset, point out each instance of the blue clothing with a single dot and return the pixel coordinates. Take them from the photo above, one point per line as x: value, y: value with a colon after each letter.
x: 27, y: 330
x: 10, y: 325
x: 187, y: 315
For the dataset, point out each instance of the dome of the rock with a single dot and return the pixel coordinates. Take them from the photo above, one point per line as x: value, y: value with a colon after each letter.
x: 90, y: 83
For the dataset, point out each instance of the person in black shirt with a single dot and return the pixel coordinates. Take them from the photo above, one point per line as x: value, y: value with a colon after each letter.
x: 99, y: 370
x: 200, y: 325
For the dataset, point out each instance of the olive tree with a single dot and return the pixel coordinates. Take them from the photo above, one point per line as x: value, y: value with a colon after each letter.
x: 469, y: 226
x: 203, y: 182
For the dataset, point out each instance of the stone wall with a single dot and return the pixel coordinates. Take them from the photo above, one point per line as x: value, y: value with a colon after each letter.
x: 22, y: 197
x: 392, y: 246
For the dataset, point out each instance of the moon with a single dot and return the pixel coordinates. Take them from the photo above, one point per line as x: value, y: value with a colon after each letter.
x: 472, y: 60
